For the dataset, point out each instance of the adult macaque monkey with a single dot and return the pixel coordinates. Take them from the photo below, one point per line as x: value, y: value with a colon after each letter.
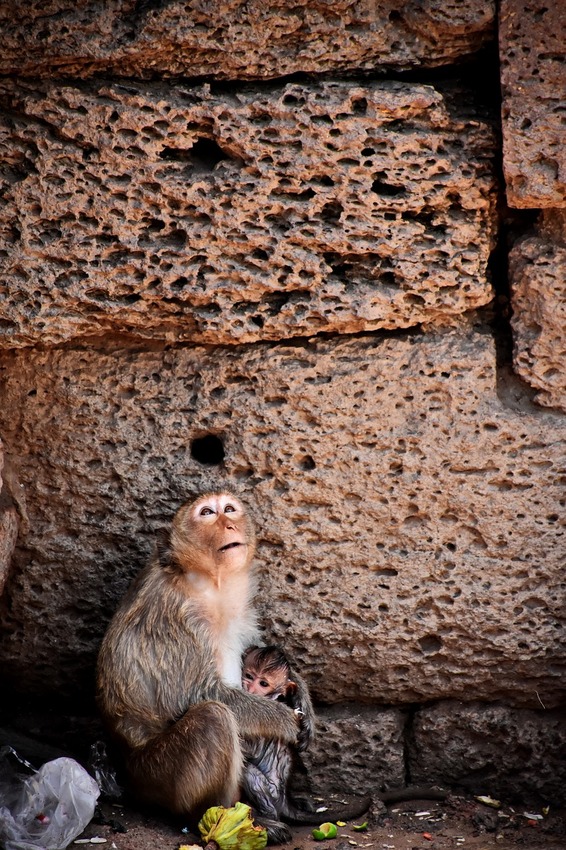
x: 169, y: 668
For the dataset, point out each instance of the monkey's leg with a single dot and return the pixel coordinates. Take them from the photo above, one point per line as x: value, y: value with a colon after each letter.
x: 194, y: 764
x: 260, y: 792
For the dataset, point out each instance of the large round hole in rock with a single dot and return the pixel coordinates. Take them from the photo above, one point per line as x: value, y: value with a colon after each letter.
x: 208, y: 450
x: 430, y: 644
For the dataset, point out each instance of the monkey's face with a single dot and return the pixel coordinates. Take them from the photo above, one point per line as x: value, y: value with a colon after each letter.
x: 220, y: 534
x: 256, y: 681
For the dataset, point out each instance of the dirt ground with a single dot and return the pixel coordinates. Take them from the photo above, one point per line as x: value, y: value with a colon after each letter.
x: 458, y: 822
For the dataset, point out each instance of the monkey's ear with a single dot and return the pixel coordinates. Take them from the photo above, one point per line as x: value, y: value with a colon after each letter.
x: 291, y: 688
x: 163, y: 546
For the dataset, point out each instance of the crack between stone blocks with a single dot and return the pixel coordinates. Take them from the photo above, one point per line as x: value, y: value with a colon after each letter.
x: 513, y: 392
x: 408, y: 740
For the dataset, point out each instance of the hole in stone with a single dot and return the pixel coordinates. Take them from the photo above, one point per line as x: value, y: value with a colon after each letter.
x: 430, y: 644
x: 179, y: 284
x: 175, y: 239
x: 324, y: 180
x: 208, y: 450
x: 207, y: 152
x: 332, y: 211
x: 308, y: 463
x: 292, y: 100
x: 380, y: 187
x: 7, y: 325
x: 360, y: 105
x: 155, y: 225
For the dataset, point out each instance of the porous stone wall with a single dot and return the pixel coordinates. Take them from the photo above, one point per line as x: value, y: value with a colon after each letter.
x: 395, y: 494
x: 532, y: 38
x: 9, y: 519
x: 537, y: 265
x: 213, y: 275
x: 369, y: 215
x: 235, y: 40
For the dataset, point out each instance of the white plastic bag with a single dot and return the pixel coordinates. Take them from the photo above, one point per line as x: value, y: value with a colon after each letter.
x: 48, y: 810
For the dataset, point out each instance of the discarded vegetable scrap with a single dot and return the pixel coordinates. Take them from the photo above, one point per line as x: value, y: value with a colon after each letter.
x: 231, y: 829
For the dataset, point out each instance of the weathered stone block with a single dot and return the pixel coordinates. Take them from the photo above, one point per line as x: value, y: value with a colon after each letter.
x: 9, y: 524
x: 237, y: 40
x: 176, y: 213
x: 537, y: 269
x: 358, y: 750
x: 490, y: 749
x: 410, y: 545
x: 533, y: 81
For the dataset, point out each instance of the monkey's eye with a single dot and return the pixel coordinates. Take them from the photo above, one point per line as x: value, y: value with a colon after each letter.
x: 229, y: 509
x: 249, y: 677
x: 206, y: 511
x: 263, y: 683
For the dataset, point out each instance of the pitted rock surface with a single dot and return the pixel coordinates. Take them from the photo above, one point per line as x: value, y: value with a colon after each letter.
x: 537, y: 270
x: 533, y: 81
x: 453, y: 743
x: 235, y: 39
x: 168, y: 212
x: 408, y: 506
x: 357, y: 749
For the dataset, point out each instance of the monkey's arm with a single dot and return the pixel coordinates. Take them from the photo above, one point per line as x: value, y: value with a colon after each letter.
x: 302, y: 702
x: 257, y: 716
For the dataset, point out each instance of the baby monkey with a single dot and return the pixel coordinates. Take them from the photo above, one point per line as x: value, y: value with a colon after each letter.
x: 266, y: 672
x: 268, y: 763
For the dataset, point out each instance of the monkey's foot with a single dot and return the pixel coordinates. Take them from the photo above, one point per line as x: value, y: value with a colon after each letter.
x: 277, y: 832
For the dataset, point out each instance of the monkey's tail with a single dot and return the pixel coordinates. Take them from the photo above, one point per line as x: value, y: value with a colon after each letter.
x: 354, y: 810
x: 293, y: 814
x: 413, y: 792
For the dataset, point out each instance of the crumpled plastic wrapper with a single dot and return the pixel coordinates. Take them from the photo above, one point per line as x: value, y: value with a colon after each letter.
x: 47, y: 810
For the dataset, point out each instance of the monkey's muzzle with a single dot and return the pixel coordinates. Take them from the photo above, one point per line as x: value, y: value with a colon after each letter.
x: 231, y: 546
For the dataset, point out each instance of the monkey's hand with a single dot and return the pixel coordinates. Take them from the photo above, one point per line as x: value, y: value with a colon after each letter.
x: 302, y: 703
x: 258, y: 717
